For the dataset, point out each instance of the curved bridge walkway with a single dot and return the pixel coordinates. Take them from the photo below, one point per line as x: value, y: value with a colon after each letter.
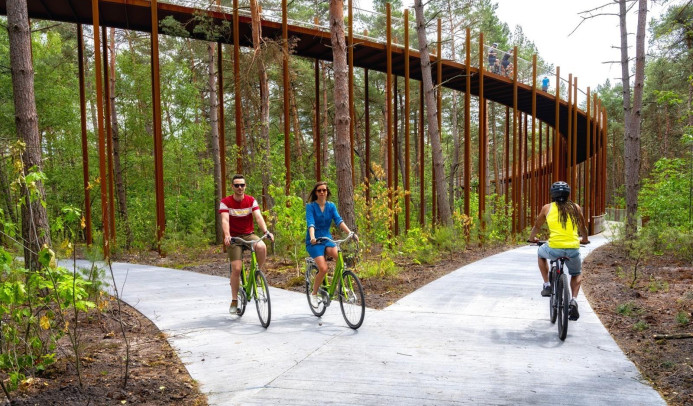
x: 479, y: 335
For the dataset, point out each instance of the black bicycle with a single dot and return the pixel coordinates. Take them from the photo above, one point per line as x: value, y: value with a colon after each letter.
x: 559, y: 306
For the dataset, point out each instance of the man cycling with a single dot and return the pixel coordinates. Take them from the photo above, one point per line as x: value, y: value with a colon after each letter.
x: 565, y: 220
x: 237, y: 212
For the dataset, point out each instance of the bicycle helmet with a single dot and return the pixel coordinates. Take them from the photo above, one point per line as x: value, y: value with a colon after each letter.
x: 560, y: 191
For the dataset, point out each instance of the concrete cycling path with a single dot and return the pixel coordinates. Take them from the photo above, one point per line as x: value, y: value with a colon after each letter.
x: 479, y: 335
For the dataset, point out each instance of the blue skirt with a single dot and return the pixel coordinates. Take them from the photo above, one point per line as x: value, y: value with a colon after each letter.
x: 318, y: 250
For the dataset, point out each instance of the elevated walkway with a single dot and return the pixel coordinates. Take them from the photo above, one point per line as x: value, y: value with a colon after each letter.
x: 479, y: 335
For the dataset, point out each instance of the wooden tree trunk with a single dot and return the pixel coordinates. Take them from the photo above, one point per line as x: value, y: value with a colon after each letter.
x: 258, y: 58
x: 117, y: 167
x: 342, y: 116
x: 431, y: 115
x: 214, y: 139
x: 35, y: 230
x: 632, y: 113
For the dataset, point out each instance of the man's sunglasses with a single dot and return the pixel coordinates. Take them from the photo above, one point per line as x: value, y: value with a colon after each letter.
x: 239, y: 185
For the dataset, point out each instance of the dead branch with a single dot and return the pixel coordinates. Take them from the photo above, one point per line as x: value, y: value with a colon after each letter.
x: 678, y: 336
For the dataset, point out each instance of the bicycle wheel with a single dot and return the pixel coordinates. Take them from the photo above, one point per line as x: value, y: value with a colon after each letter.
x: 262, y: 299
x: 318, y: 310
x: 351, y: 299
x: 242, y: 300
x: 552, y: 303
x: 242, y: 296
x: 563, y: 299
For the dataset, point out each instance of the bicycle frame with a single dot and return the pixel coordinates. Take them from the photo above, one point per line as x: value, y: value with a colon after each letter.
x: 248, y: 276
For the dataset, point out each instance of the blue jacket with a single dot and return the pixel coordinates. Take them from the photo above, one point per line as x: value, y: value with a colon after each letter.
x: 321, y: 220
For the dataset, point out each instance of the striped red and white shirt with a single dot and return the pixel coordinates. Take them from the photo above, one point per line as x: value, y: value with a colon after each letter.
x: 240, y: 214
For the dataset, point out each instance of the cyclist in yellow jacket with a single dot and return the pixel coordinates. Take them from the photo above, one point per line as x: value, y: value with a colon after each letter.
x: 565, y: 221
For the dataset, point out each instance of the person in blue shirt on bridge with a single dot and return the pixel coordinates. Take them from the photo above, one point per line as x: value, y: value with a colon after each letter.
x: 545, y: 84
x: 565, y: 221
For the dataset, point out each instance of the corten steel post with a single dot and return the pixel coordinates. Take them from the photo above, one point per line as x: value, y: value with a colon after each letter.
x: 109, y: 136
x: 573, y: 158
x: 352, y: 115
x: 237, y: 89
x: 439, y: 97
x: 388, y: 109
x: 568, y: 167
x: 467, y: 126
x: 222, y: 129
x: 506, y: 152
x: 533, y: 173
x: 287, y: 119
x: 367, y: 136
x: 525, y: 174
x: 540, y: 170
x: 316, y: 141
x: 156, y: 113
x: 593, y: 166
x: 586, y: 208
x: 102, y: 141
x: 83, y: 121
x: 556, y: 145
x: 602, y: 209
x: 516, y: 152
x: 407, y: 168
x: 422, y: 196
x: 482, y: 134
x: 395, y: 153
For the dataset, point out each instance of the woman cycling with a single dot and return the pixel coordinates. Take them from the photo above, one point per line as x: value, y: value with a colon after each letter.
x: 320, y: 213
x: 564, y: 219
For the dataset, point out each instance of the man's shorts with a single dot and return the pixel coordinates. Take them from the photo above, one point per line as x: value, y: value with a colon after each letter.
x: 574, y: 264
x: 235, y: 250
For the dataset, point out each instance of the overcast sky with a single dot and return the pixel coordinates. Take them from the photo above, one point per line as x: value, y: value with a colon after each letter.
x: 548, y: 23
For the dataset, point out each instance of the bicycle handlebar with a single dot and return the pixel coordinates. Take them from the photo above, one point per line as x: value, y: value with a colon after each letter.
x: 321, y: 240
x: 250, y: 243
x: 539, y: 243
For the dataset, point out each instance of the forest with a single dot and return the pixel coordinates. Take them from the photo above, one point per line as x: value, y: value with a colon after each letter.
x: 192, y: 171
x: 189, y: 106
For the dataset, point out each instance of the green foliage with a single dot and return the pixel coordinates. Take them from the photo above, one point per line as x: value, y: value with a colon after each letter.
x: 641, y: 325
x: 628, y: 309
x: 657, y: 286
x: 682, y: 318
x: 34, y: 307
x: 381, y: 268
x: 665, y: 194
x: 288, y: 218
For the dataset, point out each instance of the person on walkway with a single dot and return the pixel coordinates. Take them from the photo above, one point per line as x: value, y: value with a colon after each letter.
x: 545, y: 84
x: 505, y: 62
x: 237, y: 213
x: 320, y: 213
x: 565, y: 220
x: 493, y: 58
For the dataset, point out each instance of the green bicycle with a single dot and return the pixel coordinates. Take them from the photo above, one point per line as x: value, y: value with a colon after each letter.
x: 254, y: 284
x: 345, y: 285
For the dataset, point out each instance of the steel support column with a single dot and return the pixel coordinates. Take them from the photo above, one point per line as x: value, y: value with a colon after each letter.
x: 482, y: 134
x: 102, y: 140
x: 407, y: 166
x: 156, y: 113
x: 555, y: 175
x: 287, y: 118
x: 533, y: 168
x: 237, y: 89
x: 352, y: 115
x: 467, y: 126
x: 388, y: 108
x: 221, y: 123
x: 83, y: 121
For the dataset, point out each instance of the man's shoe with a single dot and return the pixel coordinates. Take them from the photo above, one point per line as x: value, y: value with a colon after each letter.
x: 573, y: 310
x: 314, y: 300
x: 233, y: 309
x: 546, y: 291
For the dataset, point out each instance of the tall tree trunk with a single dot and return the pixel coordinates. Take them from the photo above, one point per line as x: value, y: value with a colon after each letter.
x: 214, y: 138
x: 632, y: 113
x: 325, y: 119
x: 455, y: 136
x: 35, y: 230
x: 342, y: 116
x: 5, y: 185
x: 431, y: 115
x: 117, y: 167
x: 258, y: 57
